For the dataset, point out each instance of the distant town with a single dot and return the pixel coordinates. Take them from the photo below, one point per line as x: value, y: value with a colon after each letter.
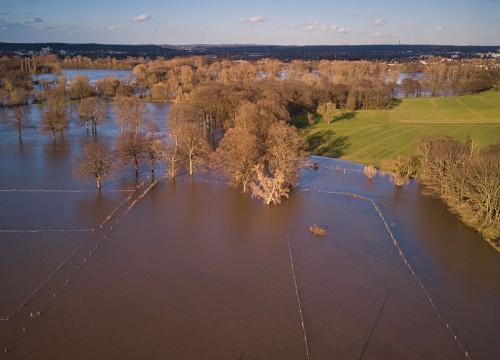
x: 398, y: 52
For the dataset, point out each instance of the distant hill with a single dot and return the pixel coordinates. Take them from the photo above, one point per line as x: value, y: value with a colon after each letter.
x: 312, y: 52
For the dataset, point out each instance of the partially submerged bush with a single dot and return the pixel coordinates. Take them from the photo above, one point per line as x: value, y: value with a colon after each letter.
x: 370, y: 171
x: 318, y: 230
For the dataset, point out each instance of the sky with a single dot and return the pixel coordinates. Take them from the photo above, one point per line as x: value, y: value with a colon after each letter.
x: 271, y: 22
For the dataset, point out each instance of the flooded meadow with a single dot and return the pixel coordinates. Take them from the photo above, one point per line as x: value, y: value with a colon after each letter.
x: 193, y: 269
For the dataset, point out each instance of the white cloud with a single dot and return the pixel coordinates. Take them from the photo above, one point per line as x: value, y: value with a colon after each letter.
x: 253, y: 19
x: 440, y: 27
x: 316, y: 26
x: 142, y: 18
x: 111, y: 28
x: 34, y: 21
x: 380, y: 22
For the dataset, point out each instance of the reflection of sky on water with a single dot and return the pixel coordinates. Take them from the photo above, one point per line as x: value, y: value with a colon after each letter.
x: 92, y: 75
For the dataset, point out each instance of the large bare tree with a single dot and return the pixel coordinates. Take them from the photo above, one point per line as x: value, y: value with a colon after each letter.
x: 285, y: 151
x: 55, y: 120
x: 236, y: 157
x: 80, y: 88
x: 132, y: 113
x: 169, y: 151
x: 193, y: 144
x: 92, y: 110
x: 97, y: 161
x: 466, y: 180
x: 17, y: 117
x: 328, y: 111
x: 131, y: 147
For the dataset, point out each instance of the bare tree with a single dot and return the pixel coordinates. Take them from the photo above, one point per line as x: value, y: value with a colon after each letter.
x: 370, y: 171
x: 169, y: 152
x: 131, y: 147
x: 481, y: 194
x: 193, y: 143
x: 270, y: 188
x: 80, y: 88
x: 285, y: 151
x: 97, y: 161
x: 328, y: 110
x: 17, y: 117
x: 57, y: 95
x: 467, y: 181
x: 107, y: 87
x: 92, y: 110
x: 152, y: 144
x: 236, y: 156
x: 401, y: 169
x: 132, y: 113
x: 55, y: 120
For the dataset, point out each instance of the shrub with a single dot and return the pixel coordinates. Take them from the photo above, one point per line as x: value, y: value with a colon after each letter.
x: 370, y: 171
x: 318, y: 230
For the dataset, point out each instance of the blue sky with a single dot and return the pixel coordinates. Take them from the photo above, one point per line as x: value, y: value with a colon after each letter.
x: 282, y: 22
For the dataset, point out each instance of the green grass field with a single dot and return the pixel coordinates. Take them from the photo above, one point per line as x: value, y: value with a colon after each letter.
x: 370, y: 136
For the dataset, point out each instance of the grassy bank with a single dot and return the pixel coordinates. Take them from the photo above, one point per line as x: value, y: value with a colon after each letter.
x: 370, y: 136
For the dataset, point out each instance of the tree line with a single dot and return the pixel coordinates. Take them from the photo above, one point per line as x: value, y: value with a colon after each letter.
x: 355, y: 84
x: 465, y: 178
x: 265, y: 162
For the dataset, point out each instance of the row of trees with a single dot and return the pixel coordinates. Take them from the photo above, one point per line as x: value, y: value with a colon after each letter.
x: 466, y: 179
x: 351, y: 85
x: 269, y: 169
x: 259, y: 153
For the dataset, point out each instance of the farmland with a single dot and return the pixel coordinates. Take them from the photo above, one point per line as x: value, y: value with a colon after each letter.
x: 370, y: 136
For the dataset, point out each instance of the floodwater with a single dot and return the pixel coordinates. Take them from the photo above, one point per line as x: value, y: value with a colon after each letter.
x: 92, y: 75
x: 192, y: 269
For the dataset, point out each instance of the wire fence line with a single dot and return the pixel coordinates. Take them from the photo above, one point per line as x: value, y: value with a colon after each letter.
x: 46, y: 280
x: 298, y: 298
x: 402, y: 256
x: 63, y: 191
x: 45, y: 230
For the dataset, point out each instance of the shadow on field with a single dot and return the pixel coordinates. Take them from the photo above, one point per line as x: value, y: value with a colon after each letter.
x: 346, y: 116
x: 395, y: 103
x: 325, y: 143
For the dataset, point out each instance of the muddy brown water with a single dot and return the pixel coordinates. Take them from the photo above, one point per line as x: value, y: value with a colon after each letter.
x: 196, y: 270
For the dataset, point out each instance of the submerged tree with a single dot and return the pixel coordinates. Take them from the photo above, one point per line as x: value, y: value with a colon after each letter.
x: 97, y: 161
x: 132, y: 113
x: 285, y: 152
x: 131, y: 147
x: 193, y: 143
x: 55, y: 120
x: 169, y: 152
x: 17, y: 117
x: 107, y: 87
x: 467, y: 181
x: 150, y: 140
x: 80, y: 88
x: 92, y: 110
x: 370, y: 171
x: 270, y: 188
x: 236, y: 157
x: 283, y: 157
x: 401, y: 169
